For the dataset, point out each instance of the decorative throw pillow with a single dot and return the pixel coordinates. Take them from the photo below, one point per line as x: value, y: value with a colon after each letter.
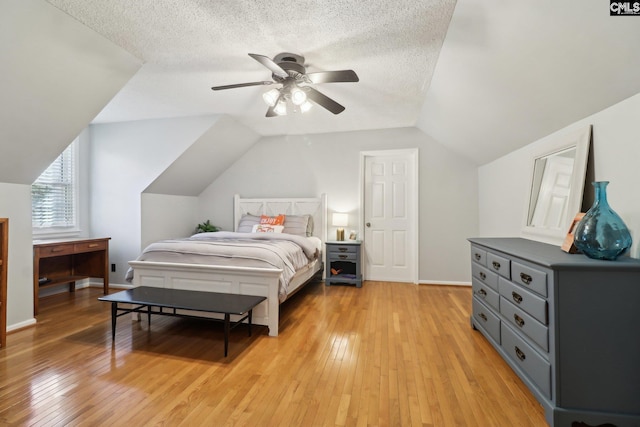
x: 272, y: 220
x: 267, y: 228
x: 247, y: 222
x: 300, y: 225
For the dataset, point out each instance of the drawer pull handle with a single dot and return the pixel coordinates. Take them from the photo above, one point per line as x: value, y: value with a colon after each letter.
x: 483, y: 316
x: 343, y: 256
x: 519, y: 320
x: 478, y: 257
x: 57, y: 249
x: 526, y: 279
x: 342, y: 249
x: 496, y: 265
x: 520, y: 354
x: 516, y: 297
x: 483, y: 276
x: 93, y: 245
x: 482, y: 292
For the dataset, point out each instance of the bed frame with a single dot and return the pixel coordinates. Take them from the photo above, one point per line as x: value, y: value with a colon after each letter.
x: 242, y: 280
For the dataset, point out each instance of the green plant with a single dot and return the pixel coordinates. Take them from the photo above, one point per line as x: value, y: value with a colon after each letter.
x: 206, y: 227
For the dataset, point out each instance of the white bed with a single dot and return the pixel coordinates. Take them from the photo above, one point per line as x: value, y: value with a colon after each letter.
x: 243, y: 280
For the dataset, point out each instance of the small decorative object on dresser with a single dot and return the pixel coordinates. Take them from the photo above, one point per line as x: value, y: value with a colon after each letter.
x: 601, y: 233
x: 343, y: 263
x: 564, y: 323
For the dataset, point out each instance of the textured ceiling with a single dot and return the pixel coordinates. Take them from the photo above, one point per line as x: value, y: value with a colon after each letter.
x: 192, y: 45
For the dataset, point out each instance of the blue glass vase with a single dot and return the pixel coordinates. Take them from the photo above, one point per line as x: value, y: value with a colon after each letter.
x: 602, y: 234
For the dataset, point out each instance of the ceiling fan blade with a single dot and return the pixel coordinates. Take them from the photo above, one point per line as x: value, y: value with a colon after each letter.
x: 270, y: 64
x: 333, y: 76
x: 242, y: 85
x: 323, y: 100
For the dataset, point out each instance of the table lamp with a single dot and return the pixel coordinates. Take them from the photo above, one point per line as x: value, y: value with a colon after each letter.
x: 340, y: 220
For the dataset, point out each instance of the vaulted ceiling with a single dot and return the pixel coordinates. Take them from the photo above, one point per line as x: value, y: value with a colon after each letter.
x: 483, y: 78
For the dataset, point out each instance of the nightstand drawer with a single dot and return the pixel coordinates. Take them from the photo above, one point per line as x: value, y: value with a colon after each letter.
x: 90, y: 246
x: 342, y: 249
x: 342, y: 256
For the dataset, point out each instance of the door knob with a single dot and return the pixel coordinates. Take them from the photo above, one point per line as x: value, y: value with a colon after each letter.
x: 368, y: 224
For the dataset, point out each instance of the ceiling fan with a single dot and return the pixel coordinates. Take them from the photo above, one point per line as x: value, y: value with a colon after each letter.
x: 288, y: 69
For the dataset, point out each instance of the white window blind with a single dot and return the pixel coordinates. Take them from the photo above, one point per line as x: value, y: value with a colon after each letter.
x: 53, y: 195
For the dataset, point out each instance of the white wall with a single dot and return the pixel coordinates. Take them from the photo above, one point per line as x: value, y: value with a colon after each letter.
x: 503, y: 183
x: 125, y: 159
x: 167, y: 217
x: 306, y: 166
x: 15, y: 204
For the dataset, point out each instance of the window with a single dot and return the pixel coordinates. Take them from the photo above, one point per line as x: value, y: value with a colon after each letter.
x: 54, y: 195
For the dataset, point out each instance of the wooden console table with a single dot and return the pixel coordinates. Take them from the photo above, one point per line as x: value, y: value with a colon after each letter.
x: 56, y: 262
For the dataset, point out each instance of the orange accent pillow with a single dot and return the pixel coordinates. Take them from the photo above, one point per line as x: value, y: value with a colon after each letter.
x: 272, y: 220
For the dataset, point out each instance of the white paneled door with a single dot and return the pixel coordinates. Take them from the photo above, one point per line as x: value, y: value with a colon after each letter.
x: 390, y: 216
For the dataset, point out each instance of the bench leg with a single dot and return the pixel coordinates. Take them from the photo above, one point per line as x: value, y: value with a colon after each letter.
x: 114, y: 317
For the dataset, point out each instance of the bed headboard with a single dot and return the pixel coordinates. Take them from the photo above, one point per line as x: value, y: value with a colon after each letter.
x: 316, y: 207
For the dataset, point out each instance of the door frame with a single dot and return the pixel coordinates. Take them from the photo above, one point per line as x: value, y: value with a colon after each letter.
x: 415, y: 250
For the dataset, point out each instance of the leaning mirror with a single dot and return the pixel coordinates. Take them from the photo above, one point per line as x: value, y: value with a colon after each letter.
x: 556, y: 187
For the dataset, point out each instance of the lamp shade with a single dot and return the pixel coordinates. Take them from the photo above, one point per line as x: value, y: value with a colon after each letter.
x: 340, y: 219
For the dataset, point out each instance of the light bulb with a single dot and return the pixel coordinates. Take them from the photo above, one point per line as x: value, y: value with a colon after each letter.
x: 298, y: 96
x: 305, y: 106
x: 280, y: 108
x: 271, y: 97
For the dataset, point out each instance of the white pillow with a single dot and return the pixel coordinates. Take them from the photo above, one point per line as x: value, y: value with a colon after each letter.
x: 267, y: 228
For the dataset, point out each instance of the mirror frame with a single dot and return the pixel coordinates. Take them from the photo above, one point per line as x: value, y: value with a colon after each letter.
x: 581, y: 140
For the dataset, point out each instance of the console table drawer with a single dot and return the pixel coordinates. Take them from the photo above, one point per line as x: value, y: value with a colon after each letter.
x: 56, y: 250
x: 525, y: 323
x: 533, y: 365
x: 530, y: 278
x: 499, y: 265
x: 485, y: 293
x: 486, y: 319
x: 90, y: 246
x: 527, y: 301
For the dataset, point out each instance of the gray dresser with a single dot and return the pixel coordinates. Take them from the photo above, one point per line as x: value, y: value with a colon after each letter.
x: 569, y: 326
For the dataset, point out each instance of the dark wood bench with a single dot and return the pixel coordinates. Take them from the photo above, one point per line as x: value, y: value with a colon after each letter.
x: 143, y: 299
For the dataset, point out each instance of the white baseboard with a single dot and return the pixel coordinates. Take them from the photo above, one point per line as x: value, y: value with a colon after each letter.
x: 443, y: 282
x: 20, y: 325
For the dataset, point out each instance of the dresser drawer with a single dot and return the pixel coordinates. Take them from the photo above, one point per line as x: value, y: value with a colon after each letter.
x: 485, y: 293
x: 486, y: 319
x: 478, y: 255
x: 530, y: 278
x: 485, y: 276
x: 90, y: 246
x: 342, y: 256
x: 342, y: 248
x: 535, y: 330
x: 56, y: 250
x: 499, y: 265
x: 533, y: 365
x: 527, y: 301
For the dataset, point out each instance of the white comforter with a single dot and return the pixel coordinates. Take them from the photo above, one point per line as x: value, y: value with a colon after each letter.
x: 287, y: 252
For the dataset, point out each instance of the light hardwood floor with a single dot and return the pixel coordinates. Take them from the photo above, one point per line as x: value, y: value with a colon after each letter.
x: 387, y: 354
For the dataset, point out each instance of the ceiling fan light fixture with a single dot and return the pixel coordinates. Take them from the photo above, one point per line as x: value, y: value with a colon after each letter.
x: 305, y: 106
x: 271, y: 97
x: 298, y: 96
x: 281, y: 108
